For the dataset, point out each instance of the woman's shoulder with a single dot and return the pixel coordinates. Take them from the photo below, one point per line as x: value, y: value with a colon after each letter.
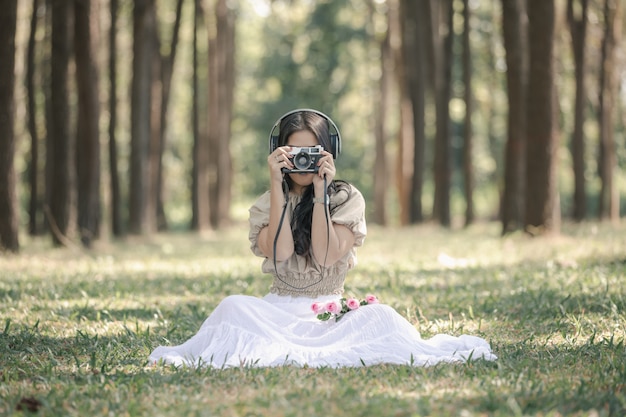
x: 263, y: 198
x: 346, y: 192
x: 261, y: 204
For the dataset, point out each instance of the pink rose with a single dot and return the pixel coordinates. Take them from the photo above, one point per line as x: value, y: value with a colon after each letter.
x: 333, y: 307
x: 371, y: 299
x: 353, y: 303
x: 318, y: 308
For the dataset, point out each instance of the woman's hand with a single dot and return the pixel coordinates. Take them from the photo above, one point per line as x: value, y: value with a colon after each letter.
x: 326, y: 168
x: 279, y: 159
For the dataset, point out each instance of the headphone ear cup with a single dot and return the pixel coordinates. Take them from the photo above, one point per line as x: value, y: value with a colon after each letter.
x: 273, y: 143
x: 335, y: 145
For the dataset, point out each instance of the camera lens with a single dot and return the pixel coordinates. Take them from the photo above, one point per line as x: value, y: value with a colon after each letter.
x: 302, y: 160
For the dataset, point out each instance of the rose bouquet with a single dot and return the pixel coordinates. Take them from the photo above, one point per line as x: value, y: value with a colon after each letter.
x: 336, y: 309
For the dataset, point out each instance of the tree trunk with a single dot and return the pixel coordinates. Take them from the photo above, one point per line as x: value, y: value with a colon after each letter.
x: 468, y: 163
x: 156, y: 111
x: 404, y: 158
x: 116, y: 199
x: 8, y: 200
x: 221, y: 88
x: 514, y: 34
x: 58, y: 147
x: 609, y: 198
x: 430, y: 29
x: 35, y: 199
x: 413, y: 35
x: 141, y: 202
x: 578, y: 31
x: 542, y: 192
x: 213, y: 140
x: 167, y: 66
x: 200, y: 186
x: 88, y: 122
x: 442, y: 167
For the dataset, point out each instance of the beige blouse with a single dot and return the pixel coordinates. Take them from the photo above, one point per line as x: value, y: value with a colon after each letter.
x: 299, y: 276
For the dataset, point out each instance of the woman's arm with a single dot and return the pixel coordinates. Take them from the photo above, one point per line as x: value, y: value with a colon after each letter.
x: 329, y: 241
x: 284, y: 246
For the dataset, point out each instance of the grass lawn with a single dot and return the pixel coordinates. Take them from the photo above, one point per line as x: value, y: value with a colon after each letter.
x: 76, y: 327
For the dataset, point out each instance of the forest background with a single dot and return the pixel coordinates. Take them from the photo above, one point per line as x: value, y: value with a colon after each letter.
x: 123, y: 116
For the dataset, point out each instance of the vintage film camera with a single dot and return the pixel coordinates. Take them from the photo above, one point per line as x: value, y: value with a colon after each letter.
x: 305, y: 159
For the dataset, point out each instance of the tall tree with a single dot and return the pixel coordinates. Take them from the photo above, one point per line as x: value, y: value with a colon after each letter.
x: 406, y: 140
x: 220, y: 106
x: 155, y: 152
x: 213, y: 137
x: 577, y: 20
x: 514, y: 27
x: 8, y: 204
x: 59, y: 147
x: 609, y: 198
x: 200, y: 209
x: 542, y: 211
x: 115, y: 205
x: 88, y: 121
x: 35, y: 200
x: 442, y: 169
x: 141, y: 203
x: 468, y: 163
x: 413, y: 42
x: 167, y: 68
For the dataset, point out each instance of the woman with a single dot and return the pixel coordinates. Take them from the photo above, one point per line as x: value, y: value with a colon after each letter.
x: 307, y: 228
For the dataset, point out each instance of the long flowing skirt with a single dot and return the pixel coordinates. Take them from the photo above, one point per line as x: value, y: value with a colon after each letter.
x: 282, y: 330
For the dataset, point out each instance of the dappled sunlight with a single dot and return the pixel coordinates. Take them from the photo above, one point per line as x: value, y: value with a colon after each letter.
x: 545, y: 305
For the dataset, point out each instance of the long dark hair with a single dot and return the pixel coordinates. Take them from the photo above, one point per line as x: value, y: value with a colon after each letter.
x: 303, y: 212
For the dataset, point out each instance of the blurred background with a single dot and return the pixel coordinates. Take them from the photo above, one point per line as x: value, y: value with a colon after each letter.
x: 132, y: 117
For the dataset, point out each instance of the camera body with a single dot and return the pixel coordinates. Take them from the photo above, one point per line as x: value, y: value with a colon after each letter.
x: 305, y: 159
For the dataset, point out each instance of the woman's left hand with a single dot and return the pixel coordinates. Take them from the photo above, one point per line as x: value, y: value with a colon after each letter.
x: 326, y: 168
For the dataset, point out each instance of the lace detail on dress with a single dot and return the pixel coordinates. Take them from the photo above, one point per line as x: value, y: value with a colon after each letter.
x: 309, y: 284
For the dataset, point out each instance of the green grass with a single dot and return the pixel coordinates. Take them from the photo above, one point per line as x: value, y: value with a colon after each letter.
x: 76, y: 327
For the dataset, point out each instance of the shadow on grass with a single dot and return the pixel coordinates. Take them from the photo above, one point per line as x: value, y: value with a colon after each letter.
x: 89, y: 313
x: 541, y: 298
x: 566, y: 378
x: 531, y: 376
x: 25, y: 353
x: 567, y: 300
x: 153, y: 284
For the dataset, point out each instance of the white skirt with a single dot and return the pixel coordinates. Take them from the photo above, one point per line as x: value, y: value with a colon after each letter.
x: 282, y: 330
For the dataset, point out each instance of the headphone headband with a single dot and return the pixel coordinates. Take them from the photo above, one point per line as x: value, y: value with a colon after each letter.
x: 335, y: 137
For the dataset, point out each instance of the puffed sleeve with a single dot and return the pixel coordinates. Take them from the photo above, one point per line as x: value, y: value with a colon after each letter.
x: 348, y: 209
x: 259, y: 218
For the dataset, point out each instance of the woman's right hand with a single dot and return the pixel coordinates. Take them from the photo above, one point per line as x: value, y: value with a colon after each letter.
x: 279, y: 159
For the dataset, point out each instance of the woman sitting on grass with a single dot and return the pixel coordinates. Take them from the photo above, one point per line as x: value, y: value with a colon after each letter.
x: 307, y: 228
